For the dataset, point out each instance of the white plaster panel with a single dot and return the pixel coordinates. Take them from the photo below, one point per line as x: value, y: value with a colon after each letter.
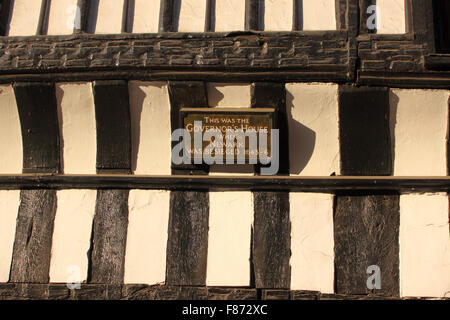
x: 11, y: 157
x: 424, y: 245
x: 230, y: 15
x: 76, y: 113
x: 25, y: 17
x: 9, y: 204
x: 313, y: 128
x: 319, y: 15
x: 72, y: 235
x: 145, y: 258
x: 229, y: 238
x: 312, y: 242
x: 192, y: 16
x: 146, y: 16
x: 62, y: 17
x: 419, y: 126
x: 150, y: 127
x: 392, y: 17
x: 109, y: 17
x: 278, y: 15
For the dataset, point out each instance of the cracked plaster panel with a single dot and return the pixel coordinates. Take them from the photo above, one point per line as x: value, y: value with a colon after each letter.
x: 72, y: 235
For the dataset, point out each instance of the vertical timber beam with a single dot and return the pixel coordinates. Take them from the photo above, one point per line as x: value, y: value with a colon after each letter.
x: 253, y: 15
x: 5, y: 13
x: 271, y: 235
x: 423, y: 23
x: 110, y: 225
x: 167, y: 16
x: 366, y: 226
x: 187, y: 245
x: 34, y: 230
x: 341, y: 14
x: 82, y: 16
x: 43, y: 18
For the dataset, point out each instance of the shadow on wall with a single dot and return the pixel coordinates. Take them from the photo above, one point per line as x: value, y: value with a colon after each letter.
x: 214, y: 95
x: 302, y: 140
x: 59, y: 97
x: 393, y: 106
x: 137, y: 98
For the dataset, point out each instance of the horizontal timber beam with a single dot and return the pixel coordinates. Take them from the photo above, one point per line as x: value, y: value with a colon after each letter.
x: 227, y: 183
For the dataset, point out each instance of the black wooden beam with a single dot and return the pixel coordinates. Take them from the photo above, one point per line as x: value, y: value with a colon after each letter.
x: 112, y: 114
x: 34, y: 229
x: 43, y: 17
x: 253, y: 15
x: 297, y: 19
x: 187, y: 247
x: 364, y: 131
x: 341, y: 14
x: 127, y: 18
x: 81, y: 25
x: 210, y: 16
x: 110, y: 224
x: 5, y: 15
x: 366, y: 226
x: 271, y: 241
x: 227, y: 183
x: 167, y: 16
x: 39, y: 123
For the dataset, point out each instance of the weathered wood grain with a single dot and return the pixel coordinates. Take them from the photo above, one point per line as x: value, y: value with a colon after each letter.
x: 366, y: 226
x: 187, y: 246
x: 109, y: 237
x: 36, y: 104
x: 252, y: 14
x: 112, y: 114
x: 364, y: 128
x: 367, y: 233
x: 167, y: 16
x: 33, y: 239
x: 271, y: 240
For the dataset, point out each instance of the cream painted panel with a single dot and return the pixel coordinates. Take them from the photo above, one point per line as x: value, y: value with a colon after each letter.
x: 230, y: 15
x: 313, y: 128
x: 312, y: 242
x: 76, y: 113
x: 392, y: 18
x: 150, y: 127
x: 234, y: 95
x: 72, y: 235
x: 109, y: 18
x: 424, y: 245
x: 278, y: 15
x: 11, y: 157
x: 192, y: 16
x: 419, y: 122
x: 145, y: 258
x: 25, y: 17
x: 146, y: 16
x: 319, y: 15
x: 229, y: 238
x: 62, y: 17
x: 9, y: 202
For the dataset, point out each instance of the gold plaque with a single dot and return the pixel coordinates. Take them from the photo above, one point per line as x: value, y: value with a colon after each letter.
x: 247, y: 121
